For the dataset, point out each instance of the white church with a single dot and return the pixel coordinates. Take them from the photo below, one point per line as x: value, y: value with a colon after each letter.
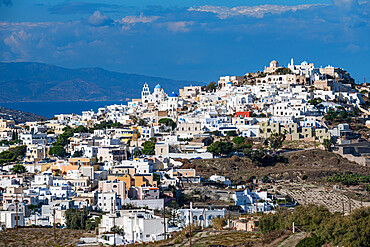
x: 160, y: 99
x: 156, y: 97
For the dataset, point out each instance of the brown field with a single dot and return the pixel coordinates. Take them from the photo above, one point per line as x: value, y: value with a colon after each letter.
x: 40, y: 237
x: 316, y: 164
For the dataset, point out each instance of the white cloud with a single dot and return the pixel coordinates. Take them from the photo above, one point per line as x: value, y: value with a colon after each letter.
x: 98, y: 20
x: 179, y: 26
x: 16, y: 43
x: 224, y: 12
x: 137, y: 19
x: 26, y: 25
x: 346, y: 4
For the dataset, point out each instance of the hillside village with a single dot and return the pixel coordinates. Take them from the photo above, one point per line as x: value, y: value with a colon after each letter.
x: 232, y: 149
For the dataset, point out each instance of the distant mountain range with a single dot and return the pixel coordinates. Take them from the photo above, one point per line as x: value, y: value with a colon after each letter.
x: 38, y: 82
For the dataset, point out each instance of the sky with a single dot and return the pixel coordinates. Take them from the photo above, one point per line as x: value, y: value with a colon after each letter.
x: 188, y: 40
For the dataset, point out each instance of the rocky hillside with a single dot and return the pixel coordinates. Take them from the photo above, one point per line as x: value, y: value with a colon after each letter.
x: 19, y: 116
x: 315, y: 164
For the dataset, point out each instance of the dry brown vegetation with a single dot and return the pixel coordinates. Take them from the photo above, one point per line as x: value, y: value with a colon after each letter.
x: 209, y: 237
x: 40, y: 237
x: 316, y: 164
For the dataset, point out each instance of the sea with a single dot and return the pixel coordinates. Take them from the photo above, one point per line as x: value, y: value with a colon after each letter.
x: 49, y: 109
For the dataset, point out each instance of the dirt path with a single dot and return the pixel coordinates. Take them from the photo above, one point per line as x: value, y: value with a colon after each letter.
x: 293, y: 240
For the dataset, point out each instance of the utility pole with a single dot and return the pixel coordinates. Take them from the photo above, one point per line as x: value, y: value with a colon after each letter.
x: 189, y: 228
x: 16, y: 212
x: 114, y: 228
x: 54, y: 224
x: 286, y: 212
x: 164, y: 220
x: 343, y: 206
x: 229, y: 224
x: 204, y: 215
x: 245, y: 215
x: 350, y: 209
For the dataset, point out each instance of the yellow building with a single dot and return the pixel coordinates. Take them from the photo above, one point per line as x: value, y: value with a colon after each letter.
x: 132, y: 134
x: 68, y: 168
x: 82, y: 161
x: 184, y: 173
x: 6, y: 124
x: 56, y: 128
x: 138, y: 180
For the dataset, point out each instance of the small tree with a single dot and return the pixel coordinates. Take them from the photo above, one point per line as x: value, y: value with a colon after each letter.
x: 238, y: 140
x: 283, y: 71
x: 77, y: 153
x: 211, y: 87
x: 256, y: 155
x: 18, y: 169
x: 137, y: 153
x: 218, y: 223
x: 327, y: 144
x: 149, y: 147
x: 231, y: 133
x: 7, y: 156
x: 216, y: 133
x: 58, y: 151
x: 134, y: 119
x: 220, y: 148
x: 76, y: 218
x: 142, y: 122
x: 168, y: 122
x: 275, y: 141
x: 19, y: 151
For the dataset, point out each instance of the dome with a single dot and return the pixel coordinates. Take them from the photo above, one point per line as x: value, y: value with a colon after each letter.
x: 304, y: 62
x: 274, y: 64
x: 229, y: 83
x: 158, y: 86
x: 173, y: 95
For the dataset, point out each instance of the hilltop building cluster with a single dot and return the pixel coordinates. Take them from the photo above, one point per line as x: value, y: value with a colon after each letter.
x: 128, y: 160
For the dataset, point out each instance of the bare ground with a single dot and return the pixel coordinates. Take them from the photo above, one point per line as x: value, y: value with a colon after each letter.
x: 39, y: 237
x: 334, y: 199
x: 315, y: 164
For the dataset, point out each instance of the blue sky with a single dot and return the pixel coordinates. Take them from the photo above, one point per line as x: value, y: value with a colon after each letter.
x: 191, y: 40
